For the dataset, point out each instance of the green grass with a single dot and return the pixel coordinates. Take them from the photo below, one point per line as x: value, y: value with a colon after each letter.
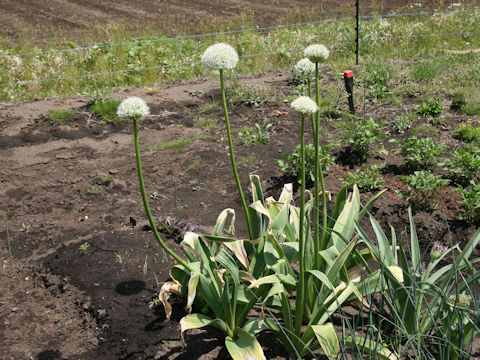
x: 106, y: 109
x: 208, y: 106
x: 429, y: 69
x: 461, y: 68
x: 60, y: 116
x: 177, y: 144
x: 208, y: 124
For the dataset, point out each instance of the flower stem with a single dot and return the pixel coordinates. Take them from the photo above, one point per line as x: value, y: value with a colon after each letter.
x: 319, y: 179
x: 309, y: 84
x: 232, y: 158
x: 147, y: 207
x: 301, y: 239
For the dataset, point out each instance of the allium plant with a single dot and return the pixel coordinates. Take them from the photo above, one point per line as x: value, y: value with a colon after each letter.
x: 223, y: 57
x: 419, y: 297
x: 318, y: 53
x: 135, y: 109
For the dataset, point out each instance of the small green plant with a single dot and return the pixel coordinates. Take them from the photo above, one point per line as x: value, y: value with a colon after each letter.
x: 25, y: 227
x: 249, y: 95
x: 292, y: 164
x: 422, y: 300
x: 464, y: 166
x: 421, y: 188
x: 103, y: 179
x: 403, y: 122
x: 208, y: 124
x: 154, y: 196
x: 61, y: 116
x: 119, y: 258
x: 84, y: 247
x: 429, y: 108
x: 470, y: 202
x: 367, y: 179
x: 177, y: 144
x: 95, y: 190
x: 377, y: 78
x: 207, y: 106
x: 105, y: 109
x: 258, y: 134
x: 458, y: 101
x: 468, y: 132
x: 420, y: 153
x: 154, y: 302
x: 367, y: 133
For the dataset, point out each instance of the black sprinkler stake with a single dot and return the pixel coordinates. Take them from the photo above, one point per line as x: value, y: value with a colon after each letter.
x: 348, y: 77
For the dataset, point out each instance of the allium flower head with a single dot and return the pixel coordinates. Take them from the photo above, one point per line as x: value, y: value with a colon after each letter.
x: 438, y: 249
x: 133, y: 108
x: 220, y: 56
x: 316, y: 53
x: 304, y: 68
x: 304, y: 105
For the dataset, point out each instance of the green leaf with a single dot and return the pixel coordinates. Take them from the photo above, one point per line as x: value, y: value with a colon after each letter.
x: 245, y: 347
x: 254, y: 326
x: 328, y: 339
x: 221, y: 220
x: 370, y: 347
x: 345, y: 222
x: 273, y: 279
x: 197, y: 321
x: 414, y: 246
x: 192, y: 289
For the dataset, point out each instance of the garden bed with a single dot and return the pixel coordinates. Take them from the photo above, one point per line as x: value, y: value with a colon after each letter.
x: 86, y: 266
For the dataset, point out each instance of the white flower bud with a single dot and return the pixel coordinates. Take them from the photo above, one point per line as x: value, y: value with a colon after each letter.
x: 316, y: 53
x: 304, y: 105
x: 304, y: 68
x: 133, y: 108
x: 220, y: 56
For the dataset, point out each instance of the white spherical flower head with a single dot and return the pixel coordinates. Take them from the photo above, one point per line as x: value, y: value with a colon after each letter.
x: 304, y: 105
x: 133, y: 108
x: 219, y: 57
x: 304, y: 68
x: 316, y: 53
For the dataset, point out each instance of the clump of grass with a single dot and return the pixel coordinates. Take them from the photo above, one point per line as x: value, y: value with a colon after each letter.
x: 430, y: 69
x: 60, y: 116
x: 209, y: 124
x: 208, y: 106
x: 106, y: 109
x: 177, y: 144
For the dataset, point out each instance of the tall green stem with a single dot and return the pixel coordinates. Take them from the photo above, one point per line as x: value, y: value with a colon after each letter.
x: 145, y: 202
x: 232, y: 158
x: 316, y: 214
x: 319, y: 179
x: 309, y: 84
x: 299, y: 308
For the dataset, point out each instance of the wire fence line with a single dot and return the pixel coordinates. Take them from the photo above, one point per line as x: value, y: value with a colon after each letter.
x: 157, y: 67
x: 273, y: 27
